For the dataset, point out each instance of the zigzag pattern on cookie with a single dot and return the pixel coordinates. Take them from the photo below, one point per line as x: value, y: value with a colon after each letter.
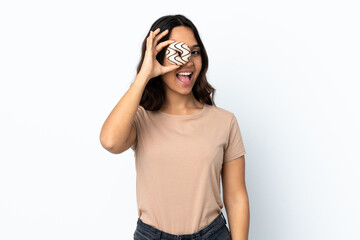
x: 178, y: 53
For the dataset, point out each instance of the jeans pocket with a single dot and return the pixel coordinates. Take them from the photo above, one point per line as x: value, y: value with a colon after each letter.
x: 221, y: 234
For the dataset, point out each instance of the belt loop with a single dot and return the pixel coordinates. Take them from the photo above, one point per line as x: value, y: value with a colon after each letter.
x: 158, y: 235
x: 222, y: 215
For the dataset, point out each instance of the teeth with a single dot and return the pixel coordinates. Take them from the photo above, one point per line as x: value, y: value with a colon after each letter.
x: 184, y: 73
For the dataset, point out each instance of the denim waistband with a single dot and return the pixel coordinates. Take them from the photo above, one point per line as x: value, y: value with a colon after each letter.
x: 216, y: 224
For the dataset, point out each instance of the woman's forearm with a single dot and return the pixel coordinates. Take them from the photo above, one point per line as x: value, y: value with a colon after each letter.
x: 117, y: 126
x: 239, y: 217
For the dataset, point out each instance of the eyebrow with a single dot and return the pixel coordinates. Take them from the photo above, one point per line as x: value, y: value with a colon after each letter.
x: 196, y: 45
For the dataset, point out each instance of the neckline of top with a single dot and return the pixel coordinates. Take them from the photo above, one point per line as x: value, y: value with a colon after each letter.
x: 186, y: 115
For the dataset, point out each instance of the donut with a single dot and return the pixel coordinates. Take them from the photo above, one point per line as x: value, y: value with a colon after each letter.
x: 178, y: 53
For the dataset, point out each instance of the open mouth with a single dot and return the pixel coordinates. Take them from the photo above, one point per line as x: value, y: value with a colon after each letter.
x: 185, y: 77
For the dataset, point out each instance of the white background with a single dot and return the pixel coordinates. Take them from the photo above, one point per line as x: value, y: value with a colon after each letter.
x: 289, y: 70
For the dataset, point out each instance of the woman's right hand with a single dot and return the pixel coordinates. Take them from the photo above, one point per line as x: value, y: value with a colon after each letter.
x: 150, y: 67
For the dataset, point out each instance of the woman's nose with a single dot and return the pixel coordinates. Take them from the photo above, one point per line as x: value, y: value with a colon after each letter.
x: 189, y: 63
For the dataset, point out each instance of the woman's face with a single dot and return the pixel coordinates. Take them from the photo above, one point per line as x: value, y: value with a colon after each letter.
x: 174, y: 82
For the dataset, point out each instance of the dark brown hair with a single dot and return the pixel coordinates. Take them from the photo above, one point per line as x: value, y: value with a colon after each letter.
x: 153, y: 96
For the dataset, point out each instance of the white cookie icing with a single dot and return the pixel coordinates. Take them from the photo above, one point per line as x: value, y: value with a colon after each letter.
x: 178, y: 53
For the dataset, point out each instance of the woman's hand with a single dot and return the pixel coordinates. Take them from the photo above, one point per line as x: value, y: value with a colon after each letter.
x: 150, y: 67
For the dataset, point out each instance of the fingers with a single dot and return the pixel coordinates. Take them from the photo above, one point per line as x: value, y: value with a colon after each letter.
x: 152, y: 39
x: 149, y: 41
x: 156, y: 31
x: 162, y: 45
x: 160, y: 36
x: 152, y: 49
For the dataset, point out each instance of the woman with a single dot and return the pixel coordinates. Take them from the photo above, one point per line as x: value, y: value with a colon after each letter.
x: 182, y: 143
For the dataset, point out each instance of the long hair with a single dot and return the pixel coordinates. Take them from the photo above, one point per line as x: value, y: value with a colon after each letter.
x: 153, y: 96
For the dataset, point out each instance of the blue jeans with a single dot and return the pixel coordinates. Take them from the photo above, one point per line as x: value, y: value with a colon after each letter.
x: 216, y: 230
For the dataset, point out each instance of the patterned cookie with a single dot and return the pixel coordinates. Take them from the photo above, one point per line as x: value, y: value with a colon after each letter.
x: 178, y: 53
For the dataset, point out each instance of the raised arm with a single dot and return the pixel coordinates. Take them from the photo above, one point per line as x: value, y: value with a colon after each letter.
x: 117, y: 133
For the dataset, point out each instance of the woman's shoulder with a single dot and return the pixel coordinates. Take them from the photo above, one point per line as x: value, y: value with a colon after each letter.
x: 220, y: 111
x: 219, y: 114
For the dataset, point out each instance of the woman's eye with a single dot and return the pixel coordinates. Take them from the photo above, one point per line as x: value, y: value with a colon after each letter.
x: 196, y: 52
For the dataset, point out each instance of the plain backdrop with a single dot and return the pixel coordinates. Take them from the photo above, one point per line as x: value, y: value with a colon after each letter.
x: 288, y: 70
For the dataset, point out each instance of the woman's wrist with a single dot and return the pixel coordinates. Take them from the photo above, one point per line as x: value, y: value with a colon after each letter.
x: 142, y: 77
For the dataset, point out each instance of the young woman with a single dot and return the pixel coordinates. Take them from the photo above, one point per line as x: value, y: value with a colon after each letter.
x: 182, y: 143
